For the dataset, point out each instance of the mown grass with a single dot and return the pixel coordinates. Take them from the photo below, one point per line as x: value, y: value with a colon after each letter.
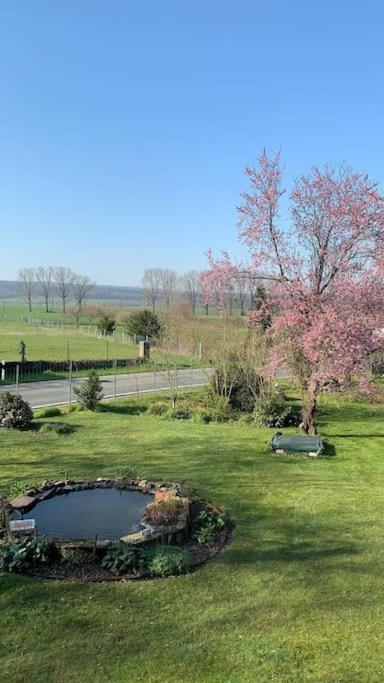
x: 297, y: 596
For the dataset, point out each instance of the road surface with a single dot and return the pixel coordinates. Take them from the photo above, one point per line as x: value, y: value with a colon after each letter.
x: 56, y: 392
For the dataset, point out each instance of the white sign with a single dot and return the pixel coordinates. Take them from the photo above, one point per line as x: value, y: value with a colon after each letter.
x: 22, y: 525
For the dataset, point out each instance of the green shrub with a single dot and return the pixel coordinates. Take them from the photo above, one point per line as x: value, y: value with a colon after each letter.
x: 247, y: 418
x: 218, y: 407
x: 106, y: 323
x: 201, y: 416
x: 274, y: 411
x: 208, y: 524
x: 167, y: 560
x: 72, y: 408
x: 122, y: 558
x: 15, y: 413
x: 27, y: 554
x: 53, y: 411
x: 143, y: 323
x: 76, y: 560
x: 181, y: 412
x: 238, y: 384
x: 157, y: 408
x: 90, y: 392
x: 55, y: 428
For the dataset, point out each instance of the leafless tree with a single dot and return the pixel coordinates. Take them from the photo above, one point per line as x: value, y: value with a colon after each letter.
x: 81, y: 286
x: 63, y: 278
x: 191, y: 283
x: 168, y: 280
x: 251, y: 291
x: 91, y: 311
x: 151, y: 284
x: 44, y: 277
x: 229, y: 296
x: 241, y: 291
x: 26, y: 278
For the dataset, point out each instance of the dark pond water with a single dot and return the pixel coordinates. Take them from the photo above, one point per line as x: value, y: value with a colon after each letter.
x: 109, y: 513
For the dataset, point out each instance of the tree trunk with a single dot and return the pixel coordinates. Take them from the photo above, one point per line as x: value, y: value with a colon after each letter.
x: 46, y: 304
x: 308, y: 424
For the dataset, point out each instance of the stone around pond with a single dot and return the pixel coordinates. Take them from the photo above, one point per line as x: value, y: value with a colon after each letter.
x: 22, y: 502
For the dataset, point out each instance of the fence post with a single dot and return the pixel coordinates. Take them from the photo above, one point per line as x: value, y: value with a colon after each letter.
x: 17, y: 379
x: 70, y: 382
x: 3, y: 370
x: 115, y: 380
x: 200, y: 350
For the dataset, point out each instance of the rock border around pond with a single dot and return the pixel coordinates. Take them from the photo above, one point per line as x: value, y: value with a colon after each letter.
x: 26, y: 501
x: 178, y: 534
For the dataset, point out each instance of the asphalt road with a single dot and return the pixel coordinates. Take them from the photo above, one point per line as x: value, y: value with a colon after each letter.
x: 56, y: 392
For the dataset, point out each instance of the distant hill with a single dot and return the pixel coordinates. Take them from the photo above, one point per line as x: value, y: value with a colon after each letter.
x: 124, y: 296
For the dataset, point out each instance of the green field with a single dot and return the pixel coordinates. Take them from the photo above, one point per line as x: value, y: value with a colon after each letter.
x: 297, y: 596
x: 58, y: 344
x: 72, y: 343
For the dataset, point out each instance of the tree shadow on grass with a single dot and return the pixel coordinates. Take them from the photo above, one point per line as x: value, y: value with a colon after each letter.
x: 303, y: 551
x: 127, y: 409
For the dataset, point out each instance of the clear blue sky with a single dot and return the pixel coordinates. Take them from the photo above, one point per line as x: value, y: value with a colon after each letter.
x: 125, y: 126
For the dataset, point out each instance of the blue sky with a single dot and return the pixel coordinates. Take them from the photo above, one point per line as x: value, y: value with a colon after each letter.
x: 125, y: 126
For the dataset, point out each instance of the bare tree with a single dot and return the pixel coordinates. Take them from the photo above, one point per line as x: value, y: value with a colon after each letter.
x: 81, y: 286
x: 26, y: 278
x: 168, y: 280
x: 151, y: 284
x: 241, y: 291
x: 63, y: 278
x: 44, y: 277
x: 191, y: 283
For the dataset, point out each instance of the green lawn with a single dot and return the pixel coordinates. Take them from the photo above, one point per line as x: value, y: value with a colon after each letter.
x: 297, y: 596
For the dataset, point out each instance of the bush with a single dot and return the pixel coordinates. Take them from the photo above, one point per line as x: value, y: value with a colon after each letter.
x: 218, y: 407
x: 165, y: 512
x: 181, y: 412
x: 274, y: 411
x: 167, y: 561
x: 15, y: 413
x: 122, y: 558
x: 157, y: 408
x: 106, y: 323
x: 76, y: 560
x: 55, y: 428
x: 90, y: 393
x: 50, y: 412
x: 27, y: 554
x: 143, y: 323
x: 237, y: 384
x: 201, y: 416
x: 208, y: 524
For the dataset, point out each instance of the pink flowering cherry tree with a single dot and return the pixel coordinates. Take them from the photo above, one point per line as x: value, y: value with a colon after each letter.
x: 323, y: 273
